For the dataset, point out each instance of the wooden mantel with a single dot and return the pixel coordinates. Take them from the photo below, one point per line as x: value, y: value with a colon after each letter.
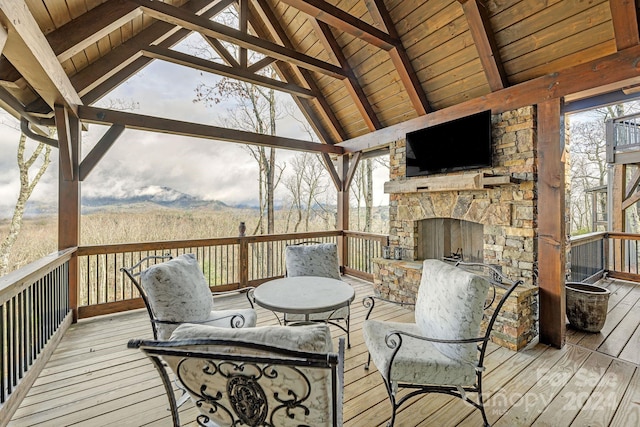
x: 475, y: 181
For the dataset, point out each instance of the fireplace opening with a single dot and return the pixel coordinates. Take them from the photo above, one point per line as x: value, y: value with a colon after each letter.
x: 448, y: 238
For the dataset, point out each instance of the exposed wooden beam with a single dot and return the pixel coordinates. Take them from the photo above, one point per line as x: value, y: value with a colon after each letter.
x: 335, y: 130
x: 482, y: 34
x: 630, y: 201
x: 29, y: 51
x: 333, y: 173
x: 225, y: 55
x: 64, y: 142
x: 103, y: 75
x: 97, y: 153
x: 625, y: 23
x: 223, y: 70
x: 351, y: 82
x: 260, y: 64
x: 618, y: 66
x: 88, y: 28
x: 341, y: 20
x: 551, y: 223
x: 353, y: 165
x: 243, y: 16
x: 182, y: 18
x: 399, y: 57
x: 196, y: 130
x: 633, y: 184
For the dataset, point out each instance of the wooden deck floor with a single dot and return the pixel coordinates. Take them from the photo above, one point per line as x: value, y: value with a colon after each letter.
x: 93, y: 379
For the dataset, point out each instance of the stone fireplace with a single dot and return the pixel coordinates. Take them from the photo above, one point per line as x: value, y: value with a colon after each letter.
x: 492, y: 220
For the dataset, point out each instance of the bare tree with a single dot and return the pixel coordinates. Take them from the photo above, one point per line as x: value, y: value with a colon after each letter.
x: 39, y: 159
x: 306, y: 184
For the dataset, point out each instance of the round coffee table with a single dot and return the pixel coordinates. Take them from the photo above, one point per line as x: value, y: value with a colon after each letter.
x: 305, y: 295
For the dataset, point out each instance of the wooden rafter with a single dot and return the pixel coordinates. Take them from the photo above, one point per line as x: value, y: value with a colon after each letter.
x: 182, y: 18
x: 625, y: 23
x: 106, y: 73
x: 477, y: 17
x: 341, y: 20
x: 28, y: 50
x: 90, y: 27
x: 197, y: 130
x: 225, y: 55
x: 223, y: 70
x: 632, y: 187
x: 266, y: 15
x: 351, y: 82
x: 399, y: 57
x: 260, y: 64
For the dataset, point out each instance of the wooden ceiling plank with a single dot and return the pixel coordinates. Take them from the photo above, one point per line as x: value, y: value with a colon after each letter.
x: 182, y: 18
x: 480, y: 28
x: 616, y: 67
x: 224, y: 70
x: 64, y: 141
x: 28, y: 50
x: 97, y: 153
x: 625, y: 23
x: 90, y: 27
x: 343, y: 21
x: 399, y: 57
x: 264, y: 13
x: 197, y: 130
x: 356, y: 92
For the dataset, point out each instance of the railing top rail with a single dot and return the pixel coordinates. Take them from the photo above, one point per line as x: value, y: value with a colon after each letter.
x: 376, y: 236
x: 15, y: 282
x: 178, y: 244
x: 583, y: 239
x: 623, y: 118
x: 628, y: 236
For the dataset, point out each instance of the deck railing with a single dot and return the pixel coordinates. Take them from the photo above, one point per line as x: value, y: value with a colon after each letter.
x: 35, y: 312
x: 623, y: 139
x: 227, y: 263
x: 587, y: 256
x: 623, y: 256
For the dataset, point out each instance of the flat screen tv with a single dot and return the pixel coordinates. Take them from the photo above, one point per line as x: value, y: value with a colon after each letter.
x: 460, y: 144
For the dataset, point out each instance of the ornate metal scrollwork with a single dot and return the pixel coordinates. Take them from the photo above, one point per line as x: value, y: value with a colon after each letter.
x: 247, y: 400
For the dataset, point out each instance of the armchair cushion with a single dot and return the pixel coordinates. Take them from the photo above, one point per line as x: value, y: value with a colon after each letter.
x: 314, y: 338
x: 313, y: 260
x: 417, y: 361
x: 449, y: 306
x: 178, y: 292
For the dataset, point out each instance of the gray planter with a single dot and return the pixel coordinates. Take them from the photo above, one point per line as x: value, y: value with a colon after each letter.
x: 587, y: 306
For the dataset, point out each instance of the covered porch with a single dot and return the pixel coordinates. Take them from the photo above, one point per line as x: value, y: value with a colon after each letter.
x: 93, y: 379
x: 364, y: 74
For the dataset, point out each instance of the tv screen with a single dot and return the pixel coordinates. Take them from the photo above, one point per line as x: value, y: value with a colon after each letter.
x: 461, y: 144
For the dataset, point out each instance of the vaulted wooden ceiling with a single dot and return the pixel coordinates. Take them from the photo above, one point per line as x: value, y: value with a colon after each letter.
x: 353, y: 66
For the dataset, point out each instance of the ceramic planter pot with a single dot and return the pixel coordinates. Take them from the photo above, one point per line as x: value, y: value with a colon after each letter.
x: 587, y: 306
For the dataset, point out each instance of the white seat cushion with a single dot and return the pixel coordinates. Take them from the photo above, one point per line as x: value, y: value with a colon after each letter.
x: 449, y: 306
x: 313, y: 260
x: 417, y: 361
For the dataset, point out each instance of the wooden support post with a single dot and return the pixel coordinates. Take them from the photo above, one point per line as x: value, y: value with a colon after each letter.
x: 69, y: 209
x: 551, y: 223
x: 617, y: 213
x: 342, y: 222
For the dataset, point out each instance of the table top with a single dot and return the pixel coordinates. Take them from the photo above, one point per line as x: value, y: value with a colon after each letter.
x: 304, y: 294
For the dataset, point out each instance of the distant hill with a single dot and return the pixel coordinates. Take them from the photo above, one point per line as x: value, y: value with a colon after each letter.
x: 149, y: 198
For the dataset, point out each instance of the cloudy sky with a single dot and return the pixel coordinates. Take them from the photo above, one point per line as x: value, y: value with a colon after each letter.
x: 208, y: 169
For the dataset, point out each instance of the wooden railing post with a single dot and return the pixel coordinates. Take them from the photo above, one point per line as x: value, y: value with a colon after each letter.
x: 244, y: 261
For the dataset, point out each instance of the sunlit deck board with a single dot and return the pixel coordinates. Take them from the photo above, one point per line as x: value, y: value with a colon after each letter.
x: 93, y: 379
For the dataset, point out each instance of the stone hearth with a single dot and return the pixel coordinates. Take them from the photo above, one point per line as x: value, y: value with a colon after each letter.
x: 506, y: 213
